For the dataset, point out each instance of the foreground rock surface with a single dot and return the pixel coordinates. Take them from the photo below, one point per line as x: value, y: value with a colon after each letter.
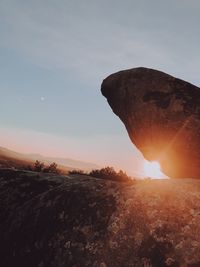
x: 57, y: 221
x: 162, y: 117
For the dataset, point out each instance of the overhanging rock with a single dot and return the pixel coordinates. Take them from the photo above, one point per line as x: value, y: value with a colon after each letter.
x: 162, y: 116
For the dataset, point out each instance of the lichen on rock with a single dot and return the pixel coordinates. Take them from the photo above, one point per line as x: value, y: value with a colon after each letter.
x: 58, y: 221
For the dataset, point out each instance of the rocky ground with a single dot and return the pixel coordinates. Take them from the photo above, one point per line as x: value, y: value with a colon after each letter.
x: 64, y: 221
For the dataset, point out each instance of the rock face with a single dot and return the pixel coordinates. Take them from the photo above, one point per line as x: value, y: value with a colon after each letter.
x: 59, y: 221
x: 162, y: 116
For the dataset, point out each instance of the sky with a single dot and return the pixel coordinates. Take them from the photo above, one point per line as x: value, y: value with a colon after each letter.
x: 55, y: 54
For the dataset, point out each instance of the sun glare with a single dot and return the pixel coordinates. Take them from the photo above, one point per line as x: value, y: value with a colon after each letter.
x: 152, y: 169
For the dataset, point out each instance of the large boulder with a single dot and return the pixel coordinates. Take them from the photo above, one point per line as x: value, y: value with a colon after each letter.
x: 162, y: 116
x: 68, y: 221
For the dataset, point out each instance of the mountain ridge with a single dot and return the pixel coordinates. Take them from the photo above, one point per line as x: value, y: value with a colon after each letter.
x: 66, y: 162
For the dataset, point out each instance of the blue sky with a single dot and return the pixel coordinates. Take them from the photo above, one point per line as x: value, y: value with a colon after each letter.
x: 55, y: 54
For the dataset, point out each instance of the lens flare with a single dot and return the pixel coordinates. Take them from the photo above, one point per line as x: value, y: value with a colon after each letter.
x: 152, y: 170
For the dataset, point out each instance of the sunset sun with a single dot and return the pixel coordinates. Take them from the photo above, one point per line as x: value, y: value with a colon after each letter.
x: 152, y: 169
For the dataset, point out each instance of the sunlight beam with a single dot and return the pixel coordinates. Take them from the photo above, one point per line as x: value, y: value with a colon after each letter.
x: 152, y: 170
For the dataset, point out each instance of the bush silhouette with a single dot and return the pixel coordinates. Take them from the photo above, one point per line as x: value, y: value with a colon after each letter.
x: 38, y: 166
x: 52, y: 168
x: 107, y: 173
x: 77, y: 172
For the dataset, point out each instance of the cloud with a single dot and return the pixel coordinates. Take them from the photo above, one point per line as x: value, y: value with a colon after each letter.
x: 91, y: 39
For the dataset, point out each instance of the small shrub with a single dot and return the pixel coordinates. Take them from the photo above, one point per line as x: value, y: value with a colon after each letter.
x: 108, y: 173
x: 52, y: 168
x: 38, y: 166
x: 80, y: 172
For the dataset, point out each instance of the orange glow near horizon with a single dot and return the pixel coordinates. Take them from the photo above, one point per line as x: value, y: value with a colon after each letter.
x: 152, y: 169
x: 83, y: 149
x: 100, y: 150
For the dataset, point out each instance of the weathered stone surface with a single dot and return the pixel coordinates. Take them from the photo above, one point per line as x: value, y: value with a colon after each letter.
x: 162, y: 117
x: 59, y: 221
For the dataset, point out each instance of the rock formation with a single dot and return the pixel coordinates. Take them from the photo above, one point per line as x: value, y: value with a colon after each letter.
x: 162, y: 116
x: 58, y: 221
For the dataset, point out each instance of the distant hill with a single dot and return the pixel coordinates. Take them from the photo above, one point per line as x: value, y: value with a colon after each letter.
x: 9, y: 158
